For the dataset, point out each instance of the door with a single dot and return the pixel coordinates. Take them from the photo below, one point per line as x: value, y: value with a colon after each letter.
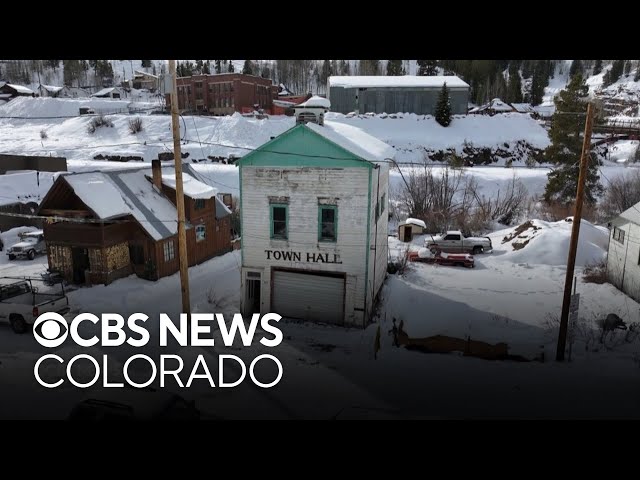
x: 80, y: 262
x: 252, y: 293
x: 311, y: 297
x: 452, y: 244
x: 407, y: 233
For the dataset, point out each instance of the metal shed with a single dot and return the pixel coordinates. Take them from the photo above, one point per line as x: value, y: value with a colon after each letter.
x: 390, y: 94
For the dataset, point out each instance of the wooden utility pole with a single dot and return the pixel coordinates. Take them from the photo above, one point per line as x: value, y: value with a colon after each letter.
x: 575, y: 232
x: 177, y: 155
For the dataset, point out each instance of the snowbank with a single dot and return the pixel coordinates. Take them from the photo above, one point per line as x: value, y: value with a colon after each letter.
x: 539, y: 242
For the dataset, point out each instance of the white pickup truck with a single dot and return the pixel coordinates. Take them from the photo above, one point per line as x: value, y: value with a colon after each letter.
x: 22, y: 304
x: 455, y: 242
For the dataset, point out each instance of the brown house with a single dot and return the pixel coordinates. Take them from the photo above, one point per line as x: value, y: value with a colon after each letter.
x: 225, y: 93
x: 108, y: 225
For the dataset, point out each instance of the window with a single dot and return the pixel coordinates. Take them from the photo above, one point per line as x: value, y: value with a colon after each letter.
x: 199, y: 204
x: 136, y: 254
x: 452, y: 237
x: 169, y: 251
x: 201, y: 233
x: 618, y: 235
x: 328, y: 223
x: 279, y: 214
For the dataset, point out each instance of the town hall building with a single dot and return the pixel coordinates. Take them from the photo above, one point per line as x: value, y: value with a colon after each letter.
x: 314, y: 221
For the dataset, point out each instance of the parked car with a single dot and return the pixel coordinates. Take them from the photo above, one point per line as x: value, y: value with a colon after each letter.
x: 134, y: 404
x: 22, y: 304
x: 30, y: 245
x: 455, y: 242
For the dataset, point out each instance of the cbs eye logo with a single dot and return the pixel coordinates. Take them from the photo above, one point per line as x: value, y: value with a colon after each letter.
x: 50, y: 329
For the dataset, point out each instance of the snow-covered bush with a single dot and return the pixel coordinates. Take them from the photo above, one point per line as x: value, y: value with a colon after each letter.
x: 135, y: 125
x: 97, y: 122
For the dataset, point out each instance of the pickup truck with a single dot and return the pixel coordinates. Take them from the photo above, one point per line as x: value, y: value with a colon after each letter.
x: 454, y: 242
x: 22, y: 304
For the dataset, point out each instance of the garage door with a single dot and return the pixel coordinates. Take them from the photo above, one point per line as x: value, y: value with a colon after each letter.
x: 316, y: 298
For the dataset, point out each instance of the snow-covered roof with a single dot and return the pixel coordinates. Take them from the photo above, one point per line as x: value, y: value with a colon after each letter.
x: 190, y: 186
x: 145, y: 74
x: 399, y: 81
x: 112, y: 194
x: 632, y: 214
x: 316, y: 101
x: 414, y: 221
x: 283, y: 103
x: 104, y: 91
x: 51, y: 88
x: 355, y: 140
x: 20, y: 88
x: 523, y: 107
x: 496, y: 105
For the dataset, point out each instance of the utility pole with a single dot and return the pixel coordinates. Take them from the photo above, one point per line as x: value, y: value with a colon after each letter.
x: 575, y: 232
x: 177, y: 155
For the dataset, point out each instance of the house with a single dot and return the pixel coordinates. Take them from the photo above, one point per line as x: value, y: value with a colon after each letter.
x: 111, y: 92
x: 623, y: 258
x: 225, y: 93
x: 313, y: 206
x: 409, y: 228
x: 109, y: 224
x: 61, y: 92
x: 145, y: 80
x: 9, y: 91
x: 494, y: 106
x: 391, y: 94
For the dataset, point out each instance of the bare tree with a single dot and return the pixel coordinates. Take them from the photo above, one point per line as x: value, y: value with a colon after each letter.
x: 621, y: 193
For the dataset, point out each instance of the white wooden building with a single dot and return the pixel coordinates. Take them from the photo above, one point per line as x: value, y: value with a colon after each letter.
x: 314, y: 223
x: 623, y: 259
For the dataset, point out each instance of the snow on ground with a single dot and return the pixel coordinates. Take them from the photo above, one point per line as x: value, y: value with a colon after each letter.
x: 623, y: 151
x: 25, y: 186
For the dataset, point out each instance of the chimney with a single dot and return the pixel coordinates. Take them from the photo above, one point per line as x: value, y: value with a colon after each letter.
x: 156, y: 169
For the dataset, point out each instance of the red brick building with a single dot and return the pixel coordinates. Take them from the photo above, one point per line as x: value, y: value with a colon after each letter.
x: 225, y: 93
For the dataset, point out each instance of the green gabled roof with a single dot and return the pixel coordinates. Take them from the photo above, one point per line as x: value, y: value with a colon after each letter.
x: 300, y: 146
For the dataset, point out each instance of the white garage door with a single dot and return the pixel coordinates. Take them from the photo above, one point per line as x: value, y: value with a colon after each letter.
x: 305, y: 296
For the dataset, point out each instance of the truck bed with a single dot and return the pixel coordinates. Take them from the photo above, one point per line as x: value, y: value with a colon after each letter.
x: 28, y: 298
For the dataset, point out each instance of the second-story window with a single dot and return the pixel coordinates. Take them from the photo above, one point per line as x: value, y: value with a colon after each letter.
x: 327, y: 223
x: 199, y: 203
x: 279, y: 227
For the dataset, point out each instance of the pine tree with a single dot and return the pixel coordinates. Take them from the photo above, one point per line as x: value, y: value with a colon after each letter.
x: 146, y: 63
x: 637, y: 75
x: 394, y: 68
x: 428, y: 67
x: 206, y: 68
x: 218, y: 66
x: 527, y: 69
x: 199, y: 66
x: 230, y: 67
x: 597, y: 67
x: 617, y: 67
x: 325, y: 72
x: 443, y: 107
x: 514, y: 85
x: 576, y: 67
x: 566, y: 136
x: 627, y: 67
x: 344, y: 68
x: 538, y: 81
x: 247, y: 68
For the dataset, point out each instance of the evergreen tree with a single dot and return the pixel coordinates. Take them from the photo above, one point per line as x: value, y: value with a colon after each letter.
x: 514, y: 86
x: 538, y: 81
x: 206, y: 68
x: 566, y: 136
x: 617, y: 67
x: 247, y: 68
x: 199, y: 66
x: 428, y: 67
x: 394, y: 68
x: 576, y: 67
x: 344, y: 68
x: 637, y: 75
x: 627, y: 67
x: 230, y: 67
x: 527, y: 69
x: 218, y: 66
x: 443, y: 107
x: 146, y: 63
x: 597, y: 67
x: 325, y: 72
